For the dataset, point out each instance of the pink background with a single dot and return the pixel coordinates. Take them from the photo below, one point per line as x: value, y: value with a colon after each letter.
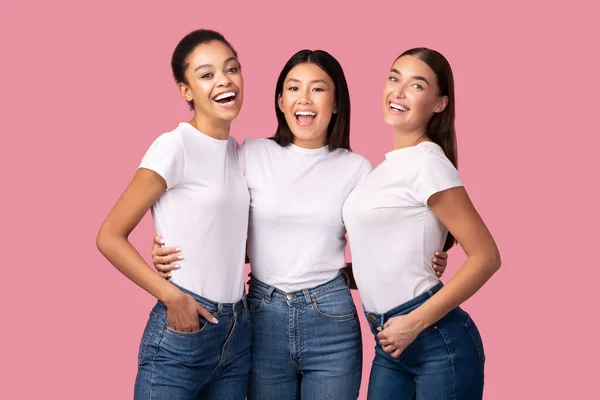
x: 85, y: 88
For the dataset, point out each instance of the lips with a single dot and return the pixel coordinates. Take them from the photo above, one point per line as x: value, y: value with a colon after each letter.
x: 397, y: 107
x: 225, y: 98
x: 305, y: 117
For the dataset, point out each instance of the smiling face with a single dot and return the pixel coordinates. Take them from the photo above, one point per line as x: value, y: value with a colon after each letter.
x: 214, y: 82
x: 411, y: 95
x: 308, y: 103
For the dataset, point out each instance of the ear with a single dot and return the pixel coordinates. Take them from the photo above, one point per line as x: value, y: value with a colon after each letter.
x: 280, y: 102
x: 185, y: 91
x: 441, y: 104
x: 335, y: 109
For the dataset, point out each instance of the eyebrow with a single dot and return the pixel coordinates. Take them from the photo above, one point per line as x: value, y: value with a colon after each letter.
x: 421, y: 78
x: 210, y: 65
x: 313, y: 81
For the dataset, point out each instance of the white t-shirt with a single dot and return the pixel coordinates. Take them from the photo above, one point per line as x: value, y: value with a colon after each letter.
x: 393, y: 233
x: 296, y: 236
x: 204, y: 210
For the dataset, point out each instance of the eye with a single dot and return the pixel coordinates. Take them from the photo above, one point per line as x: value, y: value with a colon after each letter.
x: 293, y: 88
x: 416, y: 86
x: 393, y: 79
x: 208, y: 75
x: 317, y: 89
x: 233, y: 70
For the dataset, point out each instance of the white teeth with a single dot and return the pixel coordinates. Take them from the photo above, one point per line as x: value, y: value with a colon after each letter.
x: 398, y: 107
x: 306, y: 113
x: 224, y: 96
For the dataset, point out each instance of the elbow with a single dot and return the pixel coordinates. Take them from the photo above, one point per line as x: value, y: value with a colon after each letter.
x: 105, y: 239
x: 101, y: 239
x: 495, y: 261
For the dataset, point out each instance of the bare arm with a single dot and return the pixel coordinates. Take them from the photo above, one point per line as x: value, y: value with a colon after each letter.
x: 112, y: 241
x: 455, y: 210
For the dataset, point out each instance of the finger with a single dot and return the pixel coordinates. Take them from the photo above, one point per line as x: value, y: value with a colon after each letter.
x: 166, y: 259
x: 384, y: 342
x: 439, y: 263
x: 165, y: 251
x: 389, y: 349
x: 442, y: 255
x: 379, y: 329
x: 439, y: 268
x: 387, y: 324
x: 396, y: 353
x: 158, y: 240
x: 208, y: 316
x: 166, y: 267
x: 165, y: 275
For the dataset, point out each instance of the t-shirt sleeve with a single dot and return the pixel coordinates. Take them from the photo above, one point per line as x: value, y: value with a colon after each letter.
x: 430, y: 174
x: 242, y: 156
x: 364, y: 169
x: 166, y: 157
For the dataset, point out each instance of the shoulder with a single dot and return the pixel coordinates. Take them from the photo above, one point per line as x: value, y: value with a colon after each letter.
x: 257, y: 146
x: 429, y: 155
x: 353, y: 160
x: 258, y: 143
x: 169, y: 141
x: 430, y: 163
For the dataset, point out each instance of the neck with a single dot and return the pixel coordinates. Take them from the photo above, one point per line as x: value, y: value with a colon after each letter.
x: 215, y: 129
x: 404, y: 139
x: 313, y: 143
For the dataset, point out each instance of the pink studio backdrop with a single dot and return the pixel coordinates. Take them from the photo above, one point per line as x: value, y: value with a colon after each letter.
x: 86, y: 87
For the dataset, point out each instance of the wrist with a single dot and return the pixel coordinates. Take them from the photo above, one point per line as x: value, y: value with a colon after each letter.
x: 418, y: 319
x: 170, y: 295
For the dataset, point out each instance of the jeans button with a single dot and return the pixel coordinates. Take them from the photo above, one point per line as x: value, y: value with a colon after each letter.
x: 289, y: 296
x: 371, y: 318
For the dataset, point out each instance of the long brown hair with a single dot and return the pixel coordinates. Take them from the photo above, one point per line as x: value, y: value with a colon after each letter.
x: 440, y: 128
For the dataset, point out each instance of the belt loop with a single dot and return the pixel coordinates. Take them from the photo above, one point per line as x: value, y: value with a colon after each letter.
x: 268, y: 294
x: 244, y: 303
x: 219, y: 308
x: 307, y: 297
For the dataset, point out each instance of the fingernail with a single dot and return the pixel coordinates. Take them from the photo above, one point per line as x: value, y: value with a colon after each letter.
x: 180, y: 257
x: 437, y: 253
x: 162, y: 241
x: 434, y: 259
x: 176, y: 266
x: 215, y: 321
x: 177, y: 248
x: 168, y: 275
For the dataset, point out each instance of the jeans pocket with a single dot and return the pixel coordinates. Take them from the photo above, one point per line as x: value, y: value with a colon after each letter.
x: 255, y: 304
x: 148, y: 332
x: 337, y: 305
x: 202, y: 323
x: 474, y: 333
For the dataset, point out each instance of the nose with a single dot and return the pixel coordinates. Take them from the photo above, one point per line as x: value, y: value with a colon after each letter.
x: 304, y: 97
x: 399, y: 92
x: 223, y: 80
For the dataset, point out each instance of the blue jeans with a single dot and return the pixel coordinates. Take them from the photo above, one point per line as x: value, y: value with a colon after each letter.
x: 212, y: 363
x: 444, y: 362
x: 305, y: 344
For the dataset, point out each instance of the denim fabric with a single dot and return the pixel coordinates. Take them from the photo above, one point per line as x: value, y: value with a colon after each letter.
x: 444, y: 362
x: 305, y: 344
x: 212, y: 363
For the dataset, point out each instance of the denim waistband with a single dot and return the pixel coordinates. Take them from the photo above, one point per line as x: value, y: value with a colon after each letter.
x: 404, y: 308
x: 305, y: 295
x: 216, y: 307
